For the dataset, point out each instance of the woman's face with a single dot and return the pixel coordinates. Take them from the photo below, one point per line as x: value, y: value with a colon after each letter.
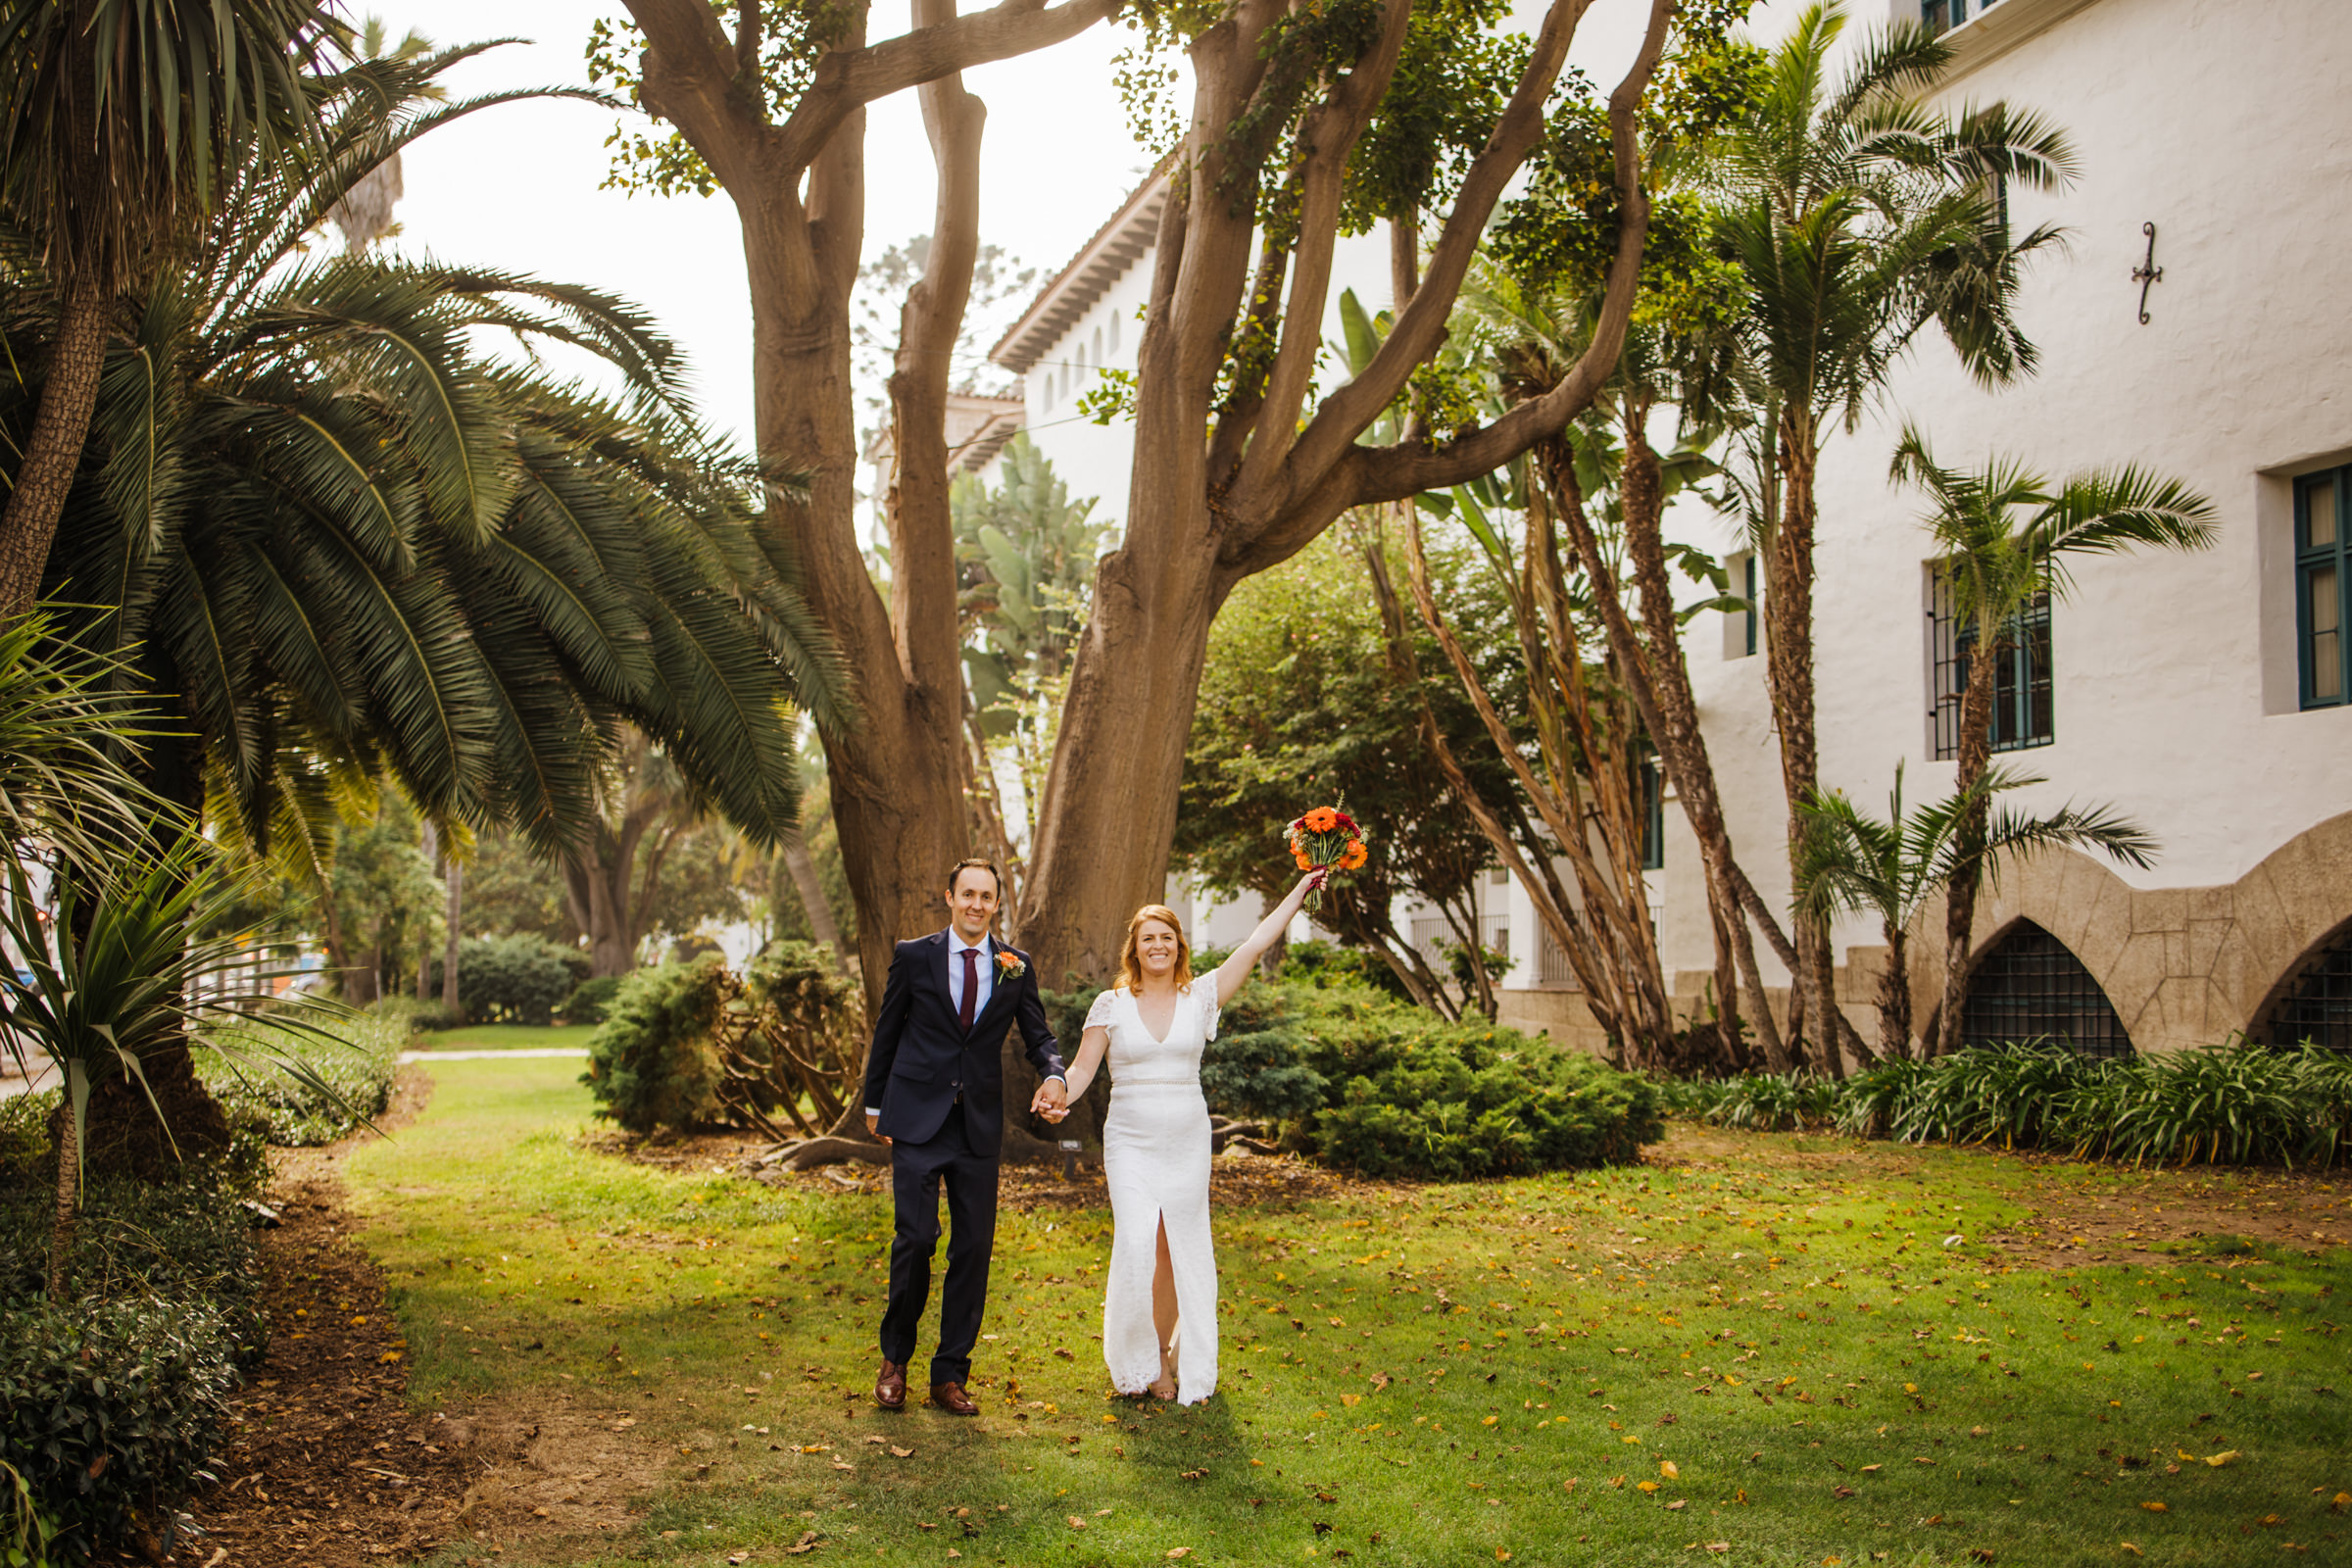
x: 1155, y: 945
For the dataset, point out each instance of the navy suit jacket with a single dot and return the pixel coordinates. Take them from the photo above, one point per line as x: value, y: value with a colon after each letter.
x: 921, y: 1059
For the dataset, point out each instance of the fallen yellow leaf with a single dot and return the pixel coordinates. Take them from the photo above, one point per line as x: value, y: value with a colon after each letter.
x: 2133, y: 1550
x: 1666, y: 1468
x: 2155, y: 1507
x: 898, y: 1452
x: 1076, y: 1523
x: 1179, y: 1552
x: 1351, y: 1401
x: 2217, y: 1460
x: 1647, y: 1486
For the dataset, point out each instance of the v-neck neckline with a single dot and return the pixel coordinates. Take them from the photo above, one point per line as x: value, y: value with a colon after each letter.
x: 1135, y: 1000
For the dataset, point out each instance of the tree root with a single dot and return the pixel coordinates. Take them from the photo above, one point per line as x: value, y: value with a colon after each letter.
x: 810, y: 1153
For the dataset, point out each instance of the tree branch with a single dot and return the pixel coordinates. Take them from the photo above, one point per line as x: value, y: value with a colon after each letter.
x: 849, y: 80
x: 1329, y: 136
x: 689, y: 70
x: 1328, y: 472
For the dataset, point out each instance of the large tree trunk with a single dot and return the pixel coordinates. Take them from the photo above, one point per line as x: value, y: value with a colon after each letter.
x: 53, y: 448
x: 68, y: 1188
x: 596, y: 884
x: 1894, y: 999
x: 1960, y: 894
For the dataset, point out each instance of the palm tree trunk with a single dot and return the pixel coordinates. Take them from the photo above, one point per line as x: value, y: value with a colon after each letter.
x: 1960, y: 894
x: 452, y: 909
x: 1894, y: 999
x: 69, y: 1182
x: 1788, y: 663
x: 803, y: 870
x: 53, y: 449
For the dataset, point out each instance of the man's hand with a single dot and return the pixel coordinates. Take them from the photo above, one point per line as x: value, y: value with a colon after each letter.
x: 1052, y: 1100
x: 873, y: 1124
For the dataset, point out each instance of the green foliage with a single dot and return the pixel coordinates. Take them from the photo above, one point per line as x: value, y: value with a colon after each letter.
x: 1452, y: 79
x: 793, y: 35
x: 428, y: 562
x: 514, y: 979
x: 592, y: 999
x: 655, y: 1060
x: 110, y: 1410
x: 416, y: 1015
x: 26, y: 1531
x: 2230, y: 1105
x: 350, y: 1081
x: 27, y: 1153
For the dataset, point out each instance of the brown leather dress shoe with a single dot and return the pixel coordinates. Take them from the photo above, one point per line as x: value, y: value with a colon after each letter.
x: 890, y: 1385
x: 951, y: 1397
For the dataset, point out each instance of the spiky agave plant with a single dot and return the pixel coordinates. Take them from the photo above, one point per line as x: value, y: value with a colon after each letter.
x: 105, y: 974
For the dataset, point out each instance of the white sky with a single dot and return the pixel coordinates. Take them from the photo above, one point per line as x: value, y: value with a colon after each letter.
x: 515, y: 187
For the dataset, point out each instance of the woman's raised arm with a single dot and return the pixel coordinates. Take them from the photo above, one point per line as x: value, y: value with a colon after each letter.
x: 1234, y: 971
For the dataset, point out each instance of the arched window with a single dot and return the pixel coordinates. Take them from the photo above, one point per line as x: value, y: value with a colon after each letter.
x: 1098, y: 348
x: 2030, y: 987
x: 1114, y: 331
x: 2318, y: 1006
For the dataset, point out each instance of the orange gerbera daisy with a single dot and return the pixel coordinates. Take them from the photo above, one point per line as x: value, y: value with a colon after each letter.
x: 1355, y: 857
x: 1322, y: 819
x: 1301, y: 857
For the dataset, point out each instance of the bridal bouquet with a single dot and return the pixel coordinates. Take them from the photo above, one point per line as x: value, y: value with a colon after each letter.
x: 1326, y: 838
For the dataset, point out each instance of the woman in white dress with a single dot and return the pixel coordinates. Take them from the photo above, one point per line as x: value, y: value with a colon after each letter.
x: 1159, y: 1309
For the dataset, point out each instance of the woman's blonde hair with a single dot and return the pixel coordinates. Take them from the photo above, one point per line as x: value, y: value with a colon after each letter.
x: 1131, y: 962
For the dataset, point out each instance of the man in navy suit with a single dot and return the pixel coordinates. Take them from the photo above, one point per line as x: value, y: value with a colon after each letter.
x: 934, y: 1092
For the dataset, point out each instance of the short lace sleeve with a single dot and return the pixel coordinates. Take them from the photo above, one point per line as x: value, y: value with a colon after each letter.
x: 1205, y: 991
x: 1105, y: 1012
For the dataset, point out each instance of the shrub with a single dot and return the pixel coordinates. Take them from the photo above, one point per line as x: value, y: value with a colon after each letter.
x: 655, y: 1060
x: 293, y: 1114
x: 27, y: 1153
x: 514, y: 979
x: 418, y: 1014
x: 26, y: 1531
x: 1766, y: 1101
x: 1326, y: 964
x: 186, y: 1240
x: 110, y: 1410
x: 1365, y: 1081
x: 592, y: 1000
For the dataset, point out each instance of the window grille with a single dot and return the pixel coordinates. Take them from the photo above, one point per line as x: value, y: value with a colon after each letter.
x: 1650, y: 786
x: 1552, y: 967
x: 2319, y: 1006
x: 1747, y: 590
x: 2030, y: 987
x: 2024, y: 707
x: 2323, y: 586
x: 1494, y: 933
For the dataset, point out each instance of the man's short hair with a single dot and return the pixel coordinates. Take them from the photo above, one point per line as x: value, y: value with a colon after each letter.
x: 975, y: 863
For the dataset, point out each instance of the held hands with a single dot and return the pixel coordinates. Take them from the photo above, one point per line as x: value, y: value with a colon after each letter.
x: 873, y: 1124
x: 1051, y: 1100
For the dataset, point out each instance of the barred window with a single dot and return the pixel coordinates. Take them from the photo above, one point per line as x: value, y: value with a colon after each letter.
x: 2318, y: 1007
x: 2031, y: 987
x: 2323, y: 586
x: 2024, y: 707
x: 1942, y: 16
x: 1651, y: 791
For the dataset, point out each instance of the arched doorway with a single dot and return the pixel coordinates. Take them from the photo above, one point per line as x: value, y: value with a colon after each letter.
x: 2029, y: 986
x: 2318, y: 1006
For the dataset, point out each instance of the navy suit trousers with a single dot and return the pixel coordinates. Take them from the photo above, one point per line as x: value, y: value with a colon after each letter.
x: 917, y: 1172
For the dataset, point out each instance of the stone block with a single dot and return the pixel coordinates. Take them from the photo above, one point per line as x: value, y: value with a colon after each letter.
x: 2160, y: 909
x: 2133, y: 979
x: 2105, y: 926
x: 2211, y: 903
x: 2204, y: 942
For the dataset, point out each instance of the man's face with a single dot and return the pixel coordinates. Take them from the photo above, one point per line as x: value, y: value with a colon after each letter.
x: 972, y: 902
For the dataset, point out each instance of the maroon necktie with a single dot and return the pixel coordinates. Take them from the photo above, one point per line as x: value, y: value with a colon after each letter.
x: 971, y: 989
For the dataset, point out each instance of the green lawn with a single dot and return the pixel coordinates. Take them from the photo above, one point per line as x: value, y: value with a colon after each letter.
x: 1778, y: 1342
x: 505, y: 1037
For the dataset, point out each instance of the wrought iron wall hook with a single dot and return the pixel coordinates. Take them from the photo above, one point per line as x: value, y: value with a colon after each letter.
x: 2147, y: 271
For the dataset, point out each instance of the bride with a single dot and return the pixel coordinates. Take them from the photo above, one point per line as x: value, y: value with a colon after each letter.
x: 1152, y: 1025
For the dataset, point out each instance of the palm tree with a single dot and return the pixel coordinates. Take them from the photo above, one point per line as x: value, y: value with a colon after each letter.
x: 1859, y: 217
x: 2006, y: 537
x: 350, y: 545
x: 119, y: 125
x: 1850, y: 861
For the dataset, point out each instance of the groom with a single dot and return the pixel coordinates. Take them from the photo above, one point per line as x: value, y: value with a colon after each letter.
x: 934, y: 1092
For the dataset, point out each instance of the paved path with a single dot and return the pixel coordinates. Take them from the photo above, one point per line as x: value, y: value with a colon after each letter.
x: 407, y: 1057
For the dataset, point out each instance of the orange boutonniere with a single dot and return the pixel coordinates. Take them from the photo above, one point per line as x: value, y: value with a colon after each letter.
x: 1010, y: 966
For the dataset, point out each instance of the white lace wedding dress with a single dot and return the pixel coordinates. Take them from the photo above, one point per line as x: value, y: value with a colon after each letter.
x: 1155, y: 1160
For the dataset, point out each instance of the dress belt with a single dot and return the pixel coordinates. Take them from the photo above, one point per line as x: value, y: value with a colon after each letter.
x: 1156, y: 1083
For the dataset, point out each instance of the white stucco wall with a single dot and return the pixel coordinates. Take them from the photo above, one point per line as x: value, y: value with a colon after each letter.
x: 2224, y: 122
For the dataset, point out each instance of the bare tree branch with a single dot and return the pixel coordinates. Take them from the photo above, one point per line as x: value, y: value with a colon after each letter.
x: 848, y: 79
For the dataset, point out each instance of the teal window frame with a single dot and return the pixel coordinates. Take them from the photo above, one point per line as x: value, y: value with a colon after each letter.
x: 1943, y: 16
x: 2311, y: 562
x: 2024, y: 704
x: 1748, y: 591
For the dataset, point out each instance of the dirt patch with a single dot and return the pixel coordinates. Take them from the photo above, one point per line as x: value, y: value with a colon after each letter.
x: 330, y: 1466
